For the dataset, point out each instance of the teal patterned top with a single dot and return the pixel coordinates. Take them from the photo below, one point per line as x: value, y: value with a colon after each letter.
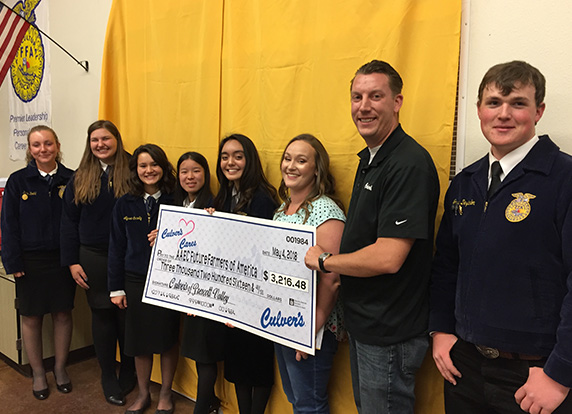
x: 321, y: 210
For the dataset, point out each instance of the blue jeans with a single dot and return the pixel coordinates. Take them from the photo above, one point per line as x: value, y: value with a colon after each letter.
x: 305, y: 382
x: 383, y: 377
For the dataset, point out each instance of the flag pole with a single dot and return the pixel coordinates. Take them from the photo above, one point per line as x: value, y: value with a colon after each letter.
x: 84, y: 63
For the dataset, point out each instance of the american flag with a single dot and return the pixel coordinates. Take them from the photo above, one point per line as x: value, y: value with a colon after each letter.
x: 12, y: 31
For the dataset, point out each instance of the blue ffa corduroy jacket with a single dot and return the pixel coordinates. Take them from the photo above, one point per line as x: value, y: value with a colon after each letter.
x: 31, y: 214
x: 86, y: 224
x: 129, y: 249
x: 502, y: 272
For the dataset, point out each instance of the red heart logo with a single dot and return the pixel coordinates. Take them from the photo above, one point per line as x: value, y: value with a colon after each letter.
x: 186, y: 224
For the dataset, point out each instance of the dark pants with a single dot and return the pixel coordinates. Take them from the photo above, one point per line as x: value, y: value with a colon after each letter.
x: 488, y: 385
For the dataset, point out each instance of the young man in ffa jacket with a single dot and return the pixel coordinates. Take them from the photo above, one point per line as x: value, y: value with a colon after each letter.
x: 501, y: 294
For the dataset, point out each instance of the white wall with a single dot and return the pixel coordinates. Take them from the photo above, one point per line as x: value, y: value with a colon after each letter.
x: 499, y: 31
x: 538, y: 32
x: 79, y: 26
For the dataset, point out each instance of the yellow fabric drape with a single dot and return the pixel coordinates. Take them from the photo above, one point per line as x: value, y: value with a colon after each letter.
x: 185, y: 73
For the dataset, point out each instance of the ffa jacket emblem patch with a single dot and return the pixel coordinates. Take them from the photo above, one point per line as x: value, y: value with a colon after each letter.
x: 518, y: 209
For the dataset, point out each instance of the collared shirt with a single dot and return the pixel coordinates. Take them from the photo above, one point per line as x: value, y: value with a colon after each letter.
x: 510, y: 160
x: 156, y: 196
x: 395, y: 195
x: 52, y: 173
x: 372, y: 152
x: 104, y: 166
x: 189, y: 204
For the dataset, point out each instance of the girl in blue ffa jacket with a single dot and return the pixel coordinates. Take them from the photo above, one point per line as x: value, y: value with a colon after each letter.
x: 148, y: 329
x: 244, y: 189
x: 102, y: 177
x: 308, y: 191
x: 31, y: 213
x: 202, y: 339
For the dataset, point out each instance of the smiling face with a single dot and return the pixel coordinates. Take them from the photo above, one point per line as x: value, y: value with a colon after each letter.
x: 103, y: 145
x: 508, y: 121
x: 191, y: 177
x: 149, y: 172
x: 44, y: 149
x: 232, y: 161
x: 299, y: 167
x: 374, y: 107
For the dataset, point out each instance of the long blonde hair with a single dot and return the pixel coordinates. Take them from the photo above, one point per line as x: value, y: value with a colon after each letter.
x: 87, y: 179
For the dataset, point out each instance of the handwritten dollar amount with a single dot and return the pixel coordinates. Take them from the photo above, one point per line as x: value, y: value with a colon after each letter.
x: 286, y: 281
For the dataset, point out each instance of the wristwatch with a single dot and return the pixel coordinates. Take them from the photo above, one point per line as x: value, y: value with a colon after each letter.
x: 321, y: 261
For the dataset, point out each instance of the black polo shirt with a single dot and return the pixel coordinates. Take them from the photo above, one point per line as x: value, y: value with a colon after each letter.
x: 394, y: 196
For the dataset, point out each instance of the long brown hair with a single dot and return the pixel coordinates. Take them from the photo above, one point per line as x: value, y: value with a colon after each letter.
x: 324, y: 184
x: 252, y: 177
x: 87, y: 179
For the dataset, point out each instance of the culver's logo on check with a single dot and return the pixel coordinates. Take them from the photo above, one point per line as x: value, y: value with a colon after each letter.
x: 171, y: 233
x: 279, y: 321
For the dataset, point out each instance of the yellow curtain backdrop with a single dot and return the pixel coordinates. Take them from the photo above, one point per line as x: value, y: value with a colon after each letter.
x: 185, y: 73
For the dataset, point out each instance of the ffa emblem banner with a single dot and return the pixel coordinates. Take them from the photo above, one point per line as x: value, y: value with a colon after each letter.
x: 29, y: 97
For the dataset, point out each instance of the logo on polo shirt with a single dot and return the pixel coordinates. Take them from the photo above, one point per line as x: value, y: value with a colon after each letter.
x: 518, y: 209
x: 368, y: 187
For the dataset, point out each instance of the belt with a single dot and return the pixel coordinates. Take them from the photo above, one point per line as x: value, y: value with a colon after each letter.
x: 493, y: 353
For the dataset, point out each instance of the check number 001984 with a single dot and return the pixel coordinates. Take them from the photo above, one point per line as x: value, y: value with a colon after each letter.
x: 286, y: 281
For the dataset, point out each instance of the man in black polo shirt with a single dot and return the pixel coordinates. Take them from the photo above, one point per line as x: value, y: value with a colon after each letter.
x: 386, y: 249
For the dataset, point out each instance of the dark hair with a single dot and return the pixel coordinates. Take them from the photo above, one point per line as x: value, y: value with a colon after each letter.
x: 39, y: 128
x: 167, y: 182
x: 252, y: 176
x: 511, y: 75
x: 204, y: 195
x: 379, y: 66
x: 324, y: 184
x: 87, y: 179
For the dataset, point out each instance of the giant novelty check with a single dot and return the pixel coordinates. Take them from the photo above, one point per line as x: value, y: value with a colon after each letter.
x: 242, y: 270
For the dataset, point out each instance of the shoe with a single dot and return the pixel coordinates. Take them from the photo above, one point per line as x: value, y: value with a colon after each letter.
x: 142, y: 409
x: 42, y: 394
x: 112, y: 390
x: 171, y: 411
x: 115, y: 399
x: 64, y: 388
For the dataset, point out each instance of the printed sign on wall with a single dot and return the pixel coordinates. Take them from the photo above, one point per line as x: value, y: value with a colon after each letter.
x: 30, y: 97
